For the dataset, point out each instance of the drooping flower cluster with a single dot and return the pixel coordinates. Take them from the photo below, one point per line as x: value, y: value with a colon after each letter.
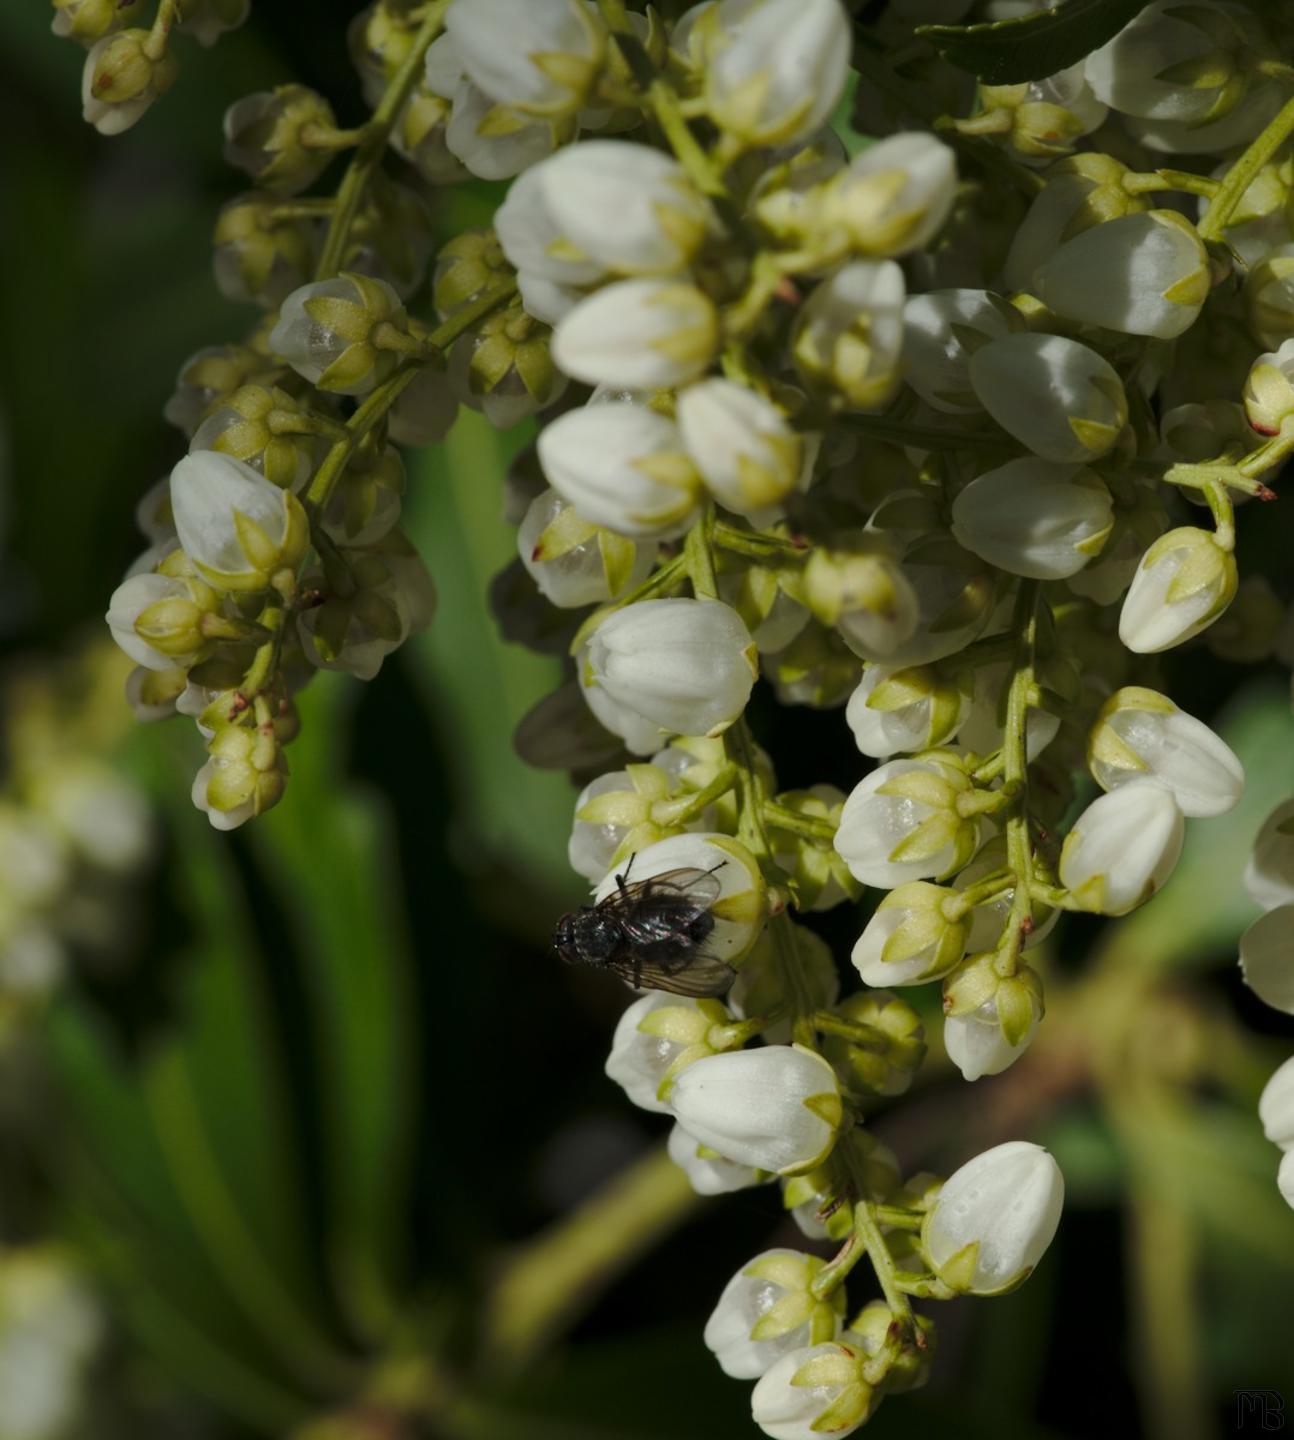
x: 884, y: 419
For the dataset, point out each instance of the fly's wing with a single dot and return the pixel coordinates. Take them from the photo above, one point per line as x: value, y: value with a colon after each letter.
x: 700, y: 975
x: 673, y: 892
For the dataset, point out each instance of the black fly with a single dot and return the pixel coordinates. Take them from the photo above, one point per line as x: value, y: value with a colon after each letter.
x: 650, y: 933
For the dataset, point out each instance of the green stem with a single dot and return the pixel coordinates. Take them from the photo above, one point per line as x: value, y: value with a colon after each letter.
x: 556, y: 1276
x: 866, y: 1037
x: 1243, y: 173
x: 810, y: 827
x: 1019, y: 848
x: 360, y: 172
x: 878, y: 1252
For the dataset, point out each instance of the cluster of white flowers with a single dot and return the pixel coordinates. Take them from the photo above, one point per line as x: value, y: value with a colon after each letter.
x: 906, y: 425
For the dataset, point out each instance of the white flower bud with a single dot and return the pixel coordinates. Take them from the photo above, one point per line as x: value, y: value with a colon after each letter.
x: 816, y: 1391
x: 235, y: 526
x: 630, y: 209
x: 573, y: 561
x: 121, y: 79
x: 643, y: 334
x: 901, y: 823
x: 655, y: 1039
x: 862, y: 590
x: 531, y: 237
x: 911, y: 938
x: 897, y: 709
x: 1269, y: 390
x: 264, y: 137
x: 1034, y: 517
x: 739, y: 909
x: 942, y: 331
x: 1267, y: 958
x: 245, y: 777
x: 747, y: 454
x: 895, y: 196
x: 1269, y: 871
x: 850, y: 333
x: 781, y: 71
x: 86, y: 21
x: 1057, y: 397
x: 1144, y: 274
x: 776, y: 1108
x: 685, y: 666
x: 538, y: 56
x: 493, y: 144
x: 1184, y: 582
x: 767, y: 1310
x: 1276, y: 1107
x: 707, y: 1171
x: 994, y: 1218
x: 1172, y: 63
x: 624, y: 811
x: 622, y: 466
x: 1142, y: 734
x: 327, y: 331
x: 1122, y: 848
x: 392, y: 597
x: 260, y: 255
x: 157, y: 619
x: 977, y: 1044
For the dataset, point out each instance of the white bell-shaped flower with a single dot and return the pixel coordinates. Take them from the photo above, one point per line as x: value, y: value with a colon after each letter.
x: 816, y: 1391
x: 1269, y: 390
x: 1276, y: 1106
x: 849, y: 335
x: 777, y: 1107
x: 655, y: 1039
x: 622, y: 466
x: 1034, y: 517
x: 531, y: 237
x: 739, y: 909
x: 326, y: 332
x: 781, y: 69
x: 994, y: 1218
x: 748, y: 456
x: 630, y: 209
x: 1145, y: 274
x: 644, y: 334
x: 895, y: 196
x: 942, y: 332
x: 157, y: 620
x: 686, y: 666
x: 538, y: 56
x: 490, y: 146
x: 235, y: 527
x: 1269, y: 871
x: 902, y: 823
x: 1084, y: 190
x: 977, y: 1044
x: 767, y: 1310
x: 898, y: 709
x: 121, y: 80
x: 707, y: 1171
x: 575, y: 562
x: 1140, y: 734
x: 1267, y: 958
x: 1184, y: 581
x: 914, y: 936
x: 1175, y: 62
x: 1123, y: 848
x: 1057, y: 397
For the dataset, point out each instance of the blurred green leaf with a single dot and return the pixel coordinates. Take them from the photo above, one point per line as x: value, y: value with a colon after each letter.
x: 1203, y: 908
x: 476, y: 686
x: 327, y: 852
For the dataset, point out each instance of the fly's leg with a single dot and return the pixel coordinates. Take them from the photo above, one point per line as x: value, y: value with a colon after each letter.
x: 621, y: 878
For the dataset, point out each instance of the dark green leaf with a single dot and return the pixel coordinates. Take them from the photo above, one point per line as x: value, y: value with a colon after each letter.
x: 1031, y: 47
